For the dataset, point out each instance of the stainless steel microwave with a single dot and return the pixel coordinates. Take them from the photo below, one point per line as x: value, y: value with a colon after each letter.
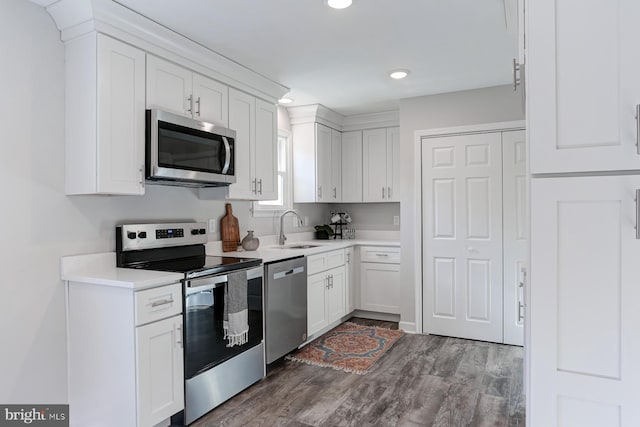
x: 187, y: 152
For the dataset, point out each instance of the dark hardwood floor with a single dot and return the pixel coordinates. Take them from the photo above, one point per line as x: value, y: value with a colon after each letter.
x: 424, y: 380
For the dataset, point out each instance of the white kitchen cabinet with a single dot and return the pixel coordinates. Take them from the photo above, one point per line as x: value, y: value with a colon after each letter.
x: 178, y: 90
x: 105, y: 116
x: 159, y: 364
x: 125, y: 354
x: 583, y: 85
x: 380, y: 279
x: 381, y: 165
x: 317, y: 164
x: 326, y: 298
x: 327, y: 289
x: 352, y: 166
x: 584, y: 317
x: 350, y: 278
x: 255, y: 123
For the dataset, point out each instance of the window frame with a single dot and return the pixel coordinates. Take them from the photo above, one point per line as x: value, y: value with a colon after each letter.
x: 262, y: 210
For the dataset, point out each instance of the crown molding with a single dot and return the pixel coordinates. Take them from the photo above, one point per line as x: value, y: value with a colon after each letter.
x: 75, y: 18
x: 318, y: 113
x: 371, y: 121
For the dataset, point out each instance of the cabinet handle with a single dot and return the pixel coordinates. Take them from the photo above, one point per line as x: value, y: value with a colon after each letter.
x: 260, y: 183
x: 383, y: 192
x: 521, y: 305
x: 389, y: 192
x: 162, y: 302
x: 198, y: 107
x: 516, y: 77
x: 254, y: 186
x: 190, y: 104
x: 638, y: 214
x: 328, y: 284
x: 320, y: 192
x: 179, y: 335
x: 335, y: 193
x: 383, y: 255
x: 331, y: 280
x: 141, y: 176
x: 638, y: 128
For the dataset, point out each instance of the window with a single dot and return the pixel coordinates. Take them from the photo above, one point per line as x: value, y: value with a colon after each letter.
x: 284, y: 200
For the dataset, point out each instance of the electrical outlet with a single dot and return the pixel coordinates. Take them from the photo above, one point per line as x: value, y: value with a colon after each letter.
x: 212, y: 225
x: 396, y: 220
x: 305, y: 221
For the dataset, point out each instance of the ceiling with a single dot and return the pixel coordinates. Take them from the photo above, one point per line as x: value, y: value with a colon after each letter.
x: 342, y: 58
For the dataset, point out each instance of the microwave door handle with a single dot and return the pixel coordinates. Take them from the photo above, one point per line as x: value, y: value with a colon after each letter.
x: 227, y: 155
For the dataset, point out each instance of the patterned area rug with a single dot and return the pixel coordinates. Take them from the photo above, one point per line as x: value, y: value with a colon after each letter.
x: 348, y: 347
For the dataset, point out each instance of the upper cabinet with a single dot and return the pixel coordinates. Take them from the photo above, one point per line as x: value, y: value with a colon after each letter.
x: 584, y: 114
x: 352, y: 166
x: 317, y: 163
x: 105, y: 116
x: 181, y: 91
x: 255, y: 123
x: 381, y: 165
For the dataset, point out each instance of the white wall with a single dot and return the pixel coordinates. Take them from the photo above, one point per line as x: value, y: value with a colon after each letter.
x: 40, y: 224
x: 488, y: 105
x: 370, y: 216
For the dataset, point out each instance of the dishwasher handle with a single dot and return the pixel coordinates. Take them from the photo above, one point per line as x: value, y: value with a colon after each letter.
x: 291, y: 272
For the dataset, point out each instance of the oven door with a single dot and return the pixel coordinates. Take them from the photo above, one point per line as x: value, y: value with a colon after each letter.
x: 187, y: 150
x: 204, y: 342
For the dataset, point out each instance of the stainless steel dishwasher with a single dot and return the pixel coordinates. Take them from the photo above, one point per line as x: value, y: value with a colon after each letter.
x: 286, y: 306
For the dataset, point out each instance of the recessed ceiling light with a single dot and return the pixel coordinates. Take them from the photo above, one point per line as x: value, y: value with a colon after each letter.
x: 339, y: 4
x: 285, y: 101
x: 399, y: 74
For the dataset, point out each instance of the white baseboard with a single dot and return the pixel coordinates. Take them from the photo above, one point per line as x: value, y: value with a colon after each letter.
x: 408, y: 327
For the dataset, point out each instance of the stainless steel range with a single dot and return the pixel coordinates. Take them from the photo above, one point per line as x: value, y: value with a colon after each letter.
x: 214, y: 370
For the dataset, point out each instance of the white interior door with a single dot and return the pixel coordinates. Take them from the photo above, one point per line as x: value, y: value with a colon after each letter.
x: 462, y: 236
x: 515, y: 233
x: 583, y: 312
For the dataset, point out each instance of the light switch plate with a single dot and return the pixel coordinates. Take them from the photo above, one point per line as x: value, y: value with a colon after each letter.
x: 396, y: 220
x: 212, y: 225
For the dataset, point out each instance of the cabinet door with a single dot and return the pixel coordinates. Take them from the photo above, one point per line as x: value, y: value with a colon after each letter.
x: 583, y: 314
x: 393, y: 164
x: 242, y: 112
x: 374, y: 165
x: 121, y: 118
x: 337, y: 294
x: 266, y: 153
x: 380, y: 287
x: 323, y: 163
x: 515, y: 233
x: 160, y: 367
x: 583, y: 85
x: 336, y: 166
x: 169, y: 87
x: 350, y: 278
x: 352, y: 166
x: 317, y: 285
x: 211, y: 100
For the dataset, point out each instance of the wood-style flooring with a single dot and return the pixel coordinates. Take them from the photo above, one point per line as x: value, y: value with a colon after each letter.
x: 424, y: 380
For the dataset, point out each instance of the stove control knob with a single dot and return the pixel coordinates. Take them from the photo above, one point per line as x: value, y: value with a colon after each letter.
x: 131, y: 235
x: 203, y: 231
x: 194, y: 232
x: 142, y: 235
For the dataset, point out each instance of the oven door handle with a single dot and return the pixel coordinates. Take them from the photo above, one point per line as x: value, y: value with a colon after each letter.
x: 205, y: 283
x: 227, y: 155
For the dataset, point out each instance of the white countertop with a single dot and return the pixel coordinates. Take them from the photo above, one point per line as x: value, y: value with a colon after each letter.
x: 100, y: 269
x: 270, y: 253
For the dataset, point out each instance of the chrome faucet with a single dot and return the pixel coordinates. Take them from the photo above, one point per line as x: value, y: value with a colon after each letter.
x: 282, y: 237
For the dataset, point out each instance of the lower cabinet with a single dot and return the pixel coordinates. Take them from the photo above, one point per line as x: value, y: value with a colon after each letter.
x: 380, y: 279
x: 159, y: 365
x: 327, y: 290
x: 125, y: 353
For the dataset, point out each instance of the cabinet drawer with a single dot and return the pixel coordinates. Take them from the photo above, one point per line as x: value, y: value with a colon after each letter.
x: 382, y: 254
x: 325, y: 261
x: 158, y: 303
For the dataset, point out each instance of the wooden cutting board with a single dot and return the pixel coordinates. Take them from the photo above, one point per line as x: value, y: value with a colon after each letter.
x: 230, y: 231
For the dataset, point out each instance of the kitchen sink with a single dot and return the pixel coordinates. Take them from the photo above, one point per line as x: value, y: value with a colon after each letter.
x: 298, y: 246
